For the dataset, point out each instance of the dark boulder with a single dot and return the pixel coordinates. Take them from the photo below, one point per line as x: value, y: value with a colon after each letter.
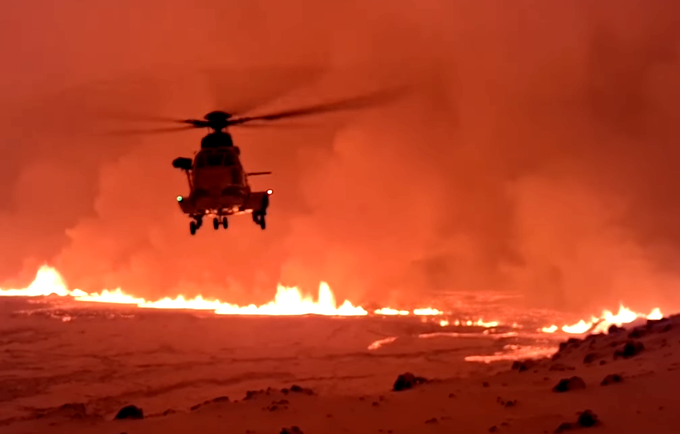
x: 407, y: 381
x: 589, y: 358
x: 613, y: 329
x: 611, y: 379
x: 637, y: 333
x: 587, y: 419
x: 569, y: 384
x: 630, y: 349
x: 523, y: 365
x: 130, y: 412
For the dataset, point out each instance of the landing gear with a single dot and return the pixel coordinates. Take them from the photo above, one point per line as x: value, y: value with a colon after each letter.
x: 259, y: 219
x: 217, y: 221
x: 196, y: 224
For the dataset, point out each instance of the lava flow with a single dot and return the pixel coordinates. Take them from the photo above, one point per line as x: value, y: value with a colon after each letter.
x: 290, y: 301
x: 287, y: 301
x: 602, y: 324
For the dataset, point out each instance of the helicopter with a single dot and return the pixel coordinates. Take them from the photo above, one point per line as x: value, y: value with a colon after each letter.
x: 218, y: 183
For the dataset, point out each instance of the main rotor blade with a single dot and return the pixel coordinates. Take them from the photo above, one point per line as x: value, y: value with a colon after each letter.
x: 136, y: 117
x: 239, y: 91
x: 348, y: 104
x: 149, y: 131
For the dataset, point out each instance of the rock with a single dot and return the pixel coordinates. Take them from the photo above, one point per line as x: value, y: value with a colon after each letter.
x: 561, y: 367
x: 407, y: 381
x: 630, y: 349
x: 611, y: 379
x: 637, y: 333
x: 587, y: 419
x: 613, y: 329
x: 493, y: 429
x: 130, y: 412
x: 250, y: 394
x: 570, y: 343
x: 291, y: 430
x: 565, y: 426
x: 485, y: 384
x: 523, y: 365
x: 568, y: 384
x: 69, y: 410
x: 589, y: 358
x: 433, y: 420
x: 168, y: 412
x: 298, y: 389
x: 218, y: 399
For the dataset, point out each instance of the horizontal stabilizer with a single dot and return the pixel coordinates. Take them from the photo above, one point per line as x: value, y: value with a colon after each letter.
x: 258, y: 173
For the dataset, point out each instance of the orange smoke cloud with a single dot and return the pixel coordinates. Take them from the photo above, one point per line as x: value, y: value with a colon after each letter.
x: 508, y: 167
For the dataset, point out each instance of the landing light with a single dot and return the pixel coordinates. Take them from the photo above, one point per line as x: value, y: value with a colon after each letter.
x: 270, y: 192
x: 180, y: 198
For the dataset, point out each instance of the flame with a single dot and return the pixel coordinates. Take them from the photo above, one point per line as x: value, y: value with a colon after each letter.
x: 606, y: 320
x: 287, y: 301
x: 428, y: 311
x: 390, y: 311
x: 479, y: 323
x: 551, y: 329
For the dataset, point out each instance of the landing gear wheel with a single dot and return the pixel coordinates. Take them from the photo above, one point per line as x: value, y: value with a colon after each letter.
x: 216, y: 223
x: 259, y: 220
x: 192, y: 228
x: 225, y: 223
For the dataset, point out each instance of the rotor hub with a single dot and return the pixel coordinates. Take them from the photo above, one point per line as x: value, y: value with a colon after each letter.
x: 217, y: 120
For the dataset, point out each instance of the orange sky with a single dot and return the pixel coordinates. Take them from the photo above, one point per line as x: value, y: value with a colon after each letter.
x: 536, y: 151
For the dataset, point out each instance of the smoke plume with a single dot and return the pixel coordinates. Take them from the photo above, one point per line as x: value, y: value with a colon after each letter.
x: 535, y: 151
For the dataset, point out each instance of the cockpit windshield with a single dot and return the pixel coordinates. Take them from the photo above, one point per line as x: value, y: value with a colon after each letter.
x: 213, y: 160
x: 229, y: 159
x: 216, y: 159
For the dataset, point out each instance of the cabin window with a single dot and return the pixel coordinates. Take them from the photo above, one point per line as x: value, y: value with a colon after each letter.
x: 229, y: 159
x: 214, y: 160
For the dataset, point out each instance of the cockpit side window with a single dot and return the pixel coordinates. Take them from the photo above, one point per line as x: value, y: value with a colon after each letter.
x: 199, y: 161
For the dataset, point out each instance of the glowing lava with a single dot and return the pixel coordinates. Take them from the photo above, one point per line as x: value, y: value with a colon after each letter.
x: 288, y: 301
x: 606, y: 320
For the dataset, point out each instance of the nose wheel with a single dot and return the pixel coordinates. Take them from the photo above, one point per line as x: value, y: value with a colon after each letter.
x: 220, y: 221
x: 259, y: 219
x: 195, y: 225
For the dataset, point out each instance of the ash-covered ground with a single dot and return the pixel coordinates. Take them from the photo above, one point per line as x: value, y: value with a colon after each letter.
x: 56, y: 351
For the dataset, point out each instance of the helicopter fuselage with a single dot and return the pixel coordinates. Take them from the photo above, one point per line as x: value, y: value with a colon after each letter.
x: 218, y: 183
